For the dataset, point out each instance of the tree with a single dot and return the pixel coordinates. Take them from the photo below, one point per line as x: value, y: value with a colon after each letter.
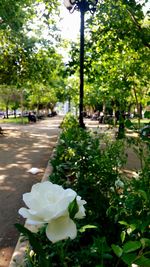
x: 14, y: 14
x: 28, y: 61
x: 116, y: 53
x: 8, y: 97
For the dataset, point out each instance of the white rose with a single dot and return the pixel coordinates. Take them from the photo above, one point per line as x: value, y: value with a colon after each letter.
x: 48, y: 203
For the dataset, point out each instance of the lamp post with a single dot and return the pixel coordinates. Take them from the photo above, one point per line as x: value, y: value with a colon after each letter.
x: 82, y: 6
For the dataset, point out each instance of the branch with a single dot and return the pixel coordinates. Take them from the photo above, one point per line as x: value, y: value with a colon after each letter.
x: 134, y: 20
x: 138, y: 27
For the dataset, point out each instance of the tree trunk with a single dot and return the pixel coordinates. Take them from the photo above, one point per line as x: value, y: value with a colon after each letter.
x: 37, y: 110
x: 21, y: 100
x: 138, y: 107
x: 15, y: 113
x: 7, y: 112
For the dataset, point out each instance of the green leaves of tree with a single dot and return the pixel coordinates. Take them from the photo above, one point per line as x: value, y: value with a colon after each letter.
x: 14, y: 14
x: 116, y: 51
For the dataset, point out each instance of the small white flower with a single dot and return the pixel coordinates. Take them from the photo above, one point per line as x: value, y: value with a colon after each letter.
x: 119, y: 184
x: 48, y: 203
x: 31, y: 253
x: 136, y: 175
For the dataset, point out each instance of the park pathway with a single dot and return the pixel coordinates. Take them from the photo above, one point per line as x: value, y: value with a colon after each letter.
x: 21, y: 148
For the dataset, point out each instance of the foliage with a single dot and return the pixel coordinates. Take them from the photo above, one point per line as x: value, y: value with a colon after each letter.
x: 116, y: 53
x: 131, y: 210
x: 36, y: 245
x: 28, y: 72
x: 126, y: 208
x: 115, y: 231
x: 29, y: 60
x: 14, y: 14
x: 143, y: 129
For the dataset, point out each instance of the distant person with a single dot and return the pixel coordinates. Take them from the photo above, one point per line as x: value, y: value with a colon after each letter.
x: 95, y: 116
x: 31, y: 117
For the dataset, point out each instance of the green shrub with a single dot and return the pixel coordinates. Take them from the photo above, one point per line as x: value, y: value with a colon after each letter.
x: 90, y: 166
x: 115, y: 231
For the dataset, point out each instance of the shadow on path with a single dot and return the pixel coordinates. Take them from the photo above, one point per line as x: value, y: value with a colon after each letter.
x: 21, y: 148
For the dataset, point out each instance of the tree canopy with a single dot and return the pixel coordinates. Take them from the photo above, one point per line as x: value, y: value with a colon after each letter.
x: 29, y: 60
x: 117, y: 44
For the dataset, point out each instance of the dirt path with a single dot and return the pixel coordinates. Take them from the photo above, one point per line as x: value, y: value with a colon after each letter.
x: 21, y: 148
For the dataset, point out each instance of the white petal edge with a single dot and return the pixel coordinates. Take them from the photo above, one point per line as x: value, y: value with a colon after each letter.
x: 30, y: 218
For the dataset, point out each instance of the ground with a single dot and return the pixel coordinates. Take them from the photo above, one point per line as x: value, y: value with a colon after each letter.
x: 21, y: 148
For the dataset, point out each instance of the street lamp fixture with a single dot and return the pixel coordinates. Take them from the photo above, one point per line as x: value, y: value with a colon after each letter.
x: 82, y: 6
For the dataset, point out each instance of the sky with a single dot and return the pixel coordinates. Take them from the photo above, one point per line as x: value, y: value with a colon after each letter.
x: 70, y: 24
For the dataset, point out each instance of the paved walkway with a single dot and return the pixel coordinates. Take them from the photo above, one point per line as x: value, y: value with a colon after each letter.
x: 21, y: 148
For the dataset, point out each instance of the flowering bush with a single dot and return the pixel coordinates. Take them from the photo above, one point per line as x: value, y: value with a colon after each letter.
x: 115, y: 231
x: 116, y: 206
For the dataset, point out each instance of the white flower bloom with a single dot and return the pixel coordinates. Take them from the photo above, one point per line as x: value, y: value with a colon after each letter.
x: 31, y: 253
x: 119, y: 184
x: 48, y: 203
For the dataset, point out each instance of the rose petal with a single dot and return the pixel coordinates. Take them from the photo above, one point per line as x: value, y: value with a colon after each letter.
x: 60, y: 229
x: 28, y: 221
x: 32, y: 219
x: 70, y: 194
x: 37, y: 198
x: 81, y: 213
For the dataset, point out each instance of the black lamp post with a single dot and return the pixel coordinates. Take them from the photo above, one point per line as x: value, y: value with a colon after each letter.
x: 82, y: 6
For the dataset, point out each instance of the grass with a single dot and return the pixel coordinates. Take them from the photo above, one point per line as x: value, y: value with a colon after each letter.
x: 143, y: 122
x: 17, y: 120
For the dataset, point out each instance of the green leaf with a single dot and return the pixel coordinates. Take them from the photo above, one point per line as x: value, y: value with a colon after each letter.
x: 142, y: 262
x: 147, y: 114
x: 36, y: 246
x: 117, y: 250
x: 73, y: 209
x: 34, y: 242
x: 123, y: 223
x: 129, y: 124
x: 85, y: 227
x: 107, y: 256
x: 131, y: 228
x: 131, y: 246
x: 122, y: 236
x: 129, y: 258
x: 145, y: 242
x: 143, y: 194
